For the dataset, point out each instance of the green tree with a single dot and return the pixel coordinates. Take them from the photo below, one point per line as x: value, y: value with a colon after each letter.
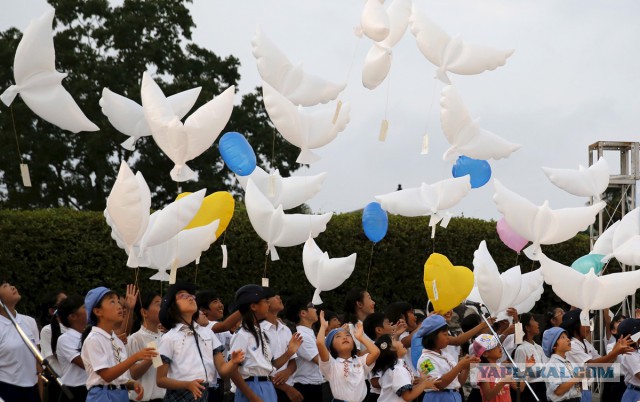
x: 100, y: 45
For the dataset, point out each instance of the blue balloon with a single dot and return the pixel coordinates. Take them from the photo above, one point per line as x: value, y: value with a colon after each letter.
x: 478, y: 169
x: 585, y: 263
x: 375, y: 222
x: 237, y: 153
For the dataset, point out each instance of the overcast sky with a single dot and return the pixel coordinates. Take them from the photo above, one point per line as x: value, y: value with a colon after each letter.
x: 574, y: 79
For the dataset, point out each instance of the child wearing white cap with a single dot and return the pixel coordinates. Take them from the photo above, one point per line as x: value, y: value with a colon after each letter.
x: 492, y: 388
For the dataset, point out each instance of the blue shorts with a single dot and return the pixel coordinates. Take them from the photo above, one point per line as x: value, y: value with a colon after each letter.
x: 98, y: 394
x: 631, y: 394
x: 450, y: 395
x: 263, y: 389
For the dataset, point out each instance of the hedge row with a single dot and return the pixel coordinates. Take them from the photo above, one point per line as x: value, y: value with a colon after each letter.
x: 51, y: 249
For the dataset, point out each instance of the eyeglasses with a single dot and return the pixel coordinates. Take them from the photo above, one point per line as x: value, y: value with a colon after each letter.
x: 185, y: 296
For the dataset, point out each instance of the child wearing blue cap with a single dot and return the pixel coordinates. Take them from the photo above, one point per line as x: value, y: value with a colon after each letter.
x: 556, y: 344
x: 103, y: 353
x: 433, y: 362
x: 340, y: 364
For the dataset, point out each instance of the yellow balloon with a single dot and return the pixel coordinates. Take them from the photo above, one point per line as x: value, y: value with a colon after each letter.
x: 218, y: 205
x: 447, y: 285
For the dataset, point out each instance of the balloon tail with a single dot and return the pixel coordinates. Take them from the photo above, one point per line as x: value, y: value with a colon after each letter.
x: 9, y: 95
x: 316, y: 298
x: 182, y: 173
x: 370, y: 264
x: 307, y: 157
x: 129, y: 144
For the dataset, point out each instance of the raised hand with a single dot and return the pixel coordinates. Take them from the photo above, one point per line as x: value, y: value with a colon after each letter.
x: 237, y: 356
x: 294, y: 343
x: 324, y: 324
x: 131, y: 297
x: 146, y: 354
x: 359, y: 332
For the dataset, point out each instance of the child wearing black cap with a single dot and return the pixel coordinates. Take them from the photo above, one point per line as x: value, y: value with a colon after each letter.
x: 252, y: 379
x: 191, y: 354
x: 630, y: 362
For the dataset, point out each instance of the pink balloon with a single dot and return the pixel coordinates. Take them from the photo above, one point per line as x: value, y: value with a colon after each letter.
x: 513, y: 240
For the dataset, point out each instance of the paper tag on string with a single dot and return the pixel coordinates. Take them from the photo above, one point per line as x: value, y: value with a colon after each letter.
x: 519, y: 333
x: 265, y: 282
x: 173, y: 274
x: 224, y: 255
x: 585, y: 384
x: 445, y: 220
x: 635, y: 337
x: 435, y: 290
x: 337, y: 112
x: 433, y: 231
x: 26, y: 178
x: 384, y: 127
x: 584, y: 318
x: 272, y: 185
x: 157, y: 360
x: 425, y: 145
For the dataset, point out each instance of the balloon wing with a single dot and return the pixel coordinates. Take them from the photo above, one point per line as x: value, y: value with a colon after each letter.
x: 542, y: 225
x: 604, y: 244
x: 583, y: 182
x: 322, y: 272
x: 375, y: 20
x: 589, y: 292
x: 294, y: 83
x: 127, y: 116
x: 499, y: 291
x: 304, y: 129
x: 376, y: 66
x: 38, y: 82
x: 626, y: 239
x: 465, y: 135
x: 399, y: 12
x: 453, y: 54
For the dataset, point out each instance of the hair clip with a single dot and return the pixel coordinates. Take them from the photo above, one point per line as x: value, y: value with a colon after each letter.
x: 383, y: 346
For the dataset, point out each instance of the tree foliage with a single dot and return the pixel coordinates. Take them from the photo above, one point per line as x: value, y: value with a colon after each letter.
x: 101, y: 45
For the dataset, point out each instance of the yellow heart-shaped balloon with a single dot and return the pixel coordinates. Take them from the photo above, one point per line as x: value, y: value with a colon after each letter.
x: 218, y: 205
x: 447, y: 285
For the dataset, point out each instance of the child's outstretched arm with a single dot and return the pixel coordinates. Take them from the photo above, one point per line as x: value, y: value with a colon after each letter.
x: 373, y: 350
x: 109, y: 374
x: 225, y: 369
x: 323, y: 352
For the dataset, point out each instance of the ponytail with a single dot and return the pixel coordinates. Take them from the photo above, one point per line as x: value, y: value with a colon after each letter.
x: 65, y: 308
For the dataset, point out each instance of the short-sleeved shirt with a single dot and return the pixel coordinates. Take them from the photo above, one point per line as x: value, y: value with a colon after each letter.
x: 581, y: 351
x: 395, y: 381
x: 436, y: 365
x: 509, y: 344
x: 279, y: 336
x: 17, y: 364
x: 504, y: 395
x: 257, y: 357
x: 68, y: 348
x: 630, y: 367
x: 407, y: 356
x: 103, y: 350
x: 307, y: 372
x: 178, y: 348
x: 47, y: 350
x: 346, y: 377
x: 526, y: 349
x: 136, y: 342
x: 553, y: 383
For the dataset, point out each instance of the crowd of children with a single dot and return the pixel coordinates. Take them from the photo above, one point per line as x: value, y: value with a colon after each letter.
x: 180, y: 347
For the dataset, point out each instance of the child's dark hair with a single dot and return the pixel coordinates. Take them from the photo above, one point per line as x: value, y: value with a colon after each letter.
x: 92, y: 317
x: 205, y: 297
x: 293, y: 308
x: 388, y: 356
x: 373, y: 321
x: 328, y: 316
x: 143, y: 302
x: 549, y: 316
x: 249, y: 323
x: 66, y: 307
x: 174, y: 317
x: 396, y: 311
x: 616, y: 319
x: 48, y: 302
x: 429, y: 341
x: 334, y: 353
x: 467, y: 324
x: 354, y: 296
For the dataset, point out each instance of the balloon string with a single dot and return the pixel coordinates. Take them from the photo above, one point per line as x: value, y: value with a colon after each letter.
x: 15, y: 132
x: 273, y: 149
x: 195, y: 278
x: 161, y: 283
x: 386, y: 105
x: 370, y: 263
x: 353, y: 59
x: 517, y: 255
x: 266, y: 259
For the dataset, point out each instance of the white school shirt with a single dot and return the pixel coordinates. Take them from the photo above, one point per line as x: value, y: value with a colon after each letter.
x: 279, y: 336
x: 509, y: 344
x: 609, y: 347
x: 307, y: 372
x: 553, y: 383
x: 630, y: 367
x: 407, y: 356
x: 47, y: 350
x: 103, y: 350
x: 395, y: 380
x: 527, y: 349
x: 68, y: 348
x: 436, y: 365
x: 136, y: 342
x: 346, y: 377
x: 255, y: 362
x: 224, y: 338
x: 581, y: 352
x: 17, y: 364
x: 178, y: 348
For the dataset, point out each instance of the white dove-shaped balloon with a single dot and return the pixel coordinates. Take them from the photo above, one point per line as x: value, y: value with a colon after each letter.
x: 377, y: 63
x: 465, y: 135
x: 303, y: 128
x: 128, y: 207
x: 584, y: 182
x: 588, y: 292
x: 625, y: 242
x: 498, y: 291
x: 322, y: 272
x: 604, y: 244
x: 374, y: 20
x: 427, y: 199
x: 184, y: 142
x: 286, y: 191
x: 453, y: 54
x: 38, y: 81
x: 291, y: 81
x: 127, y: 116
x: 277, y: 228
x: 541, y: 224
